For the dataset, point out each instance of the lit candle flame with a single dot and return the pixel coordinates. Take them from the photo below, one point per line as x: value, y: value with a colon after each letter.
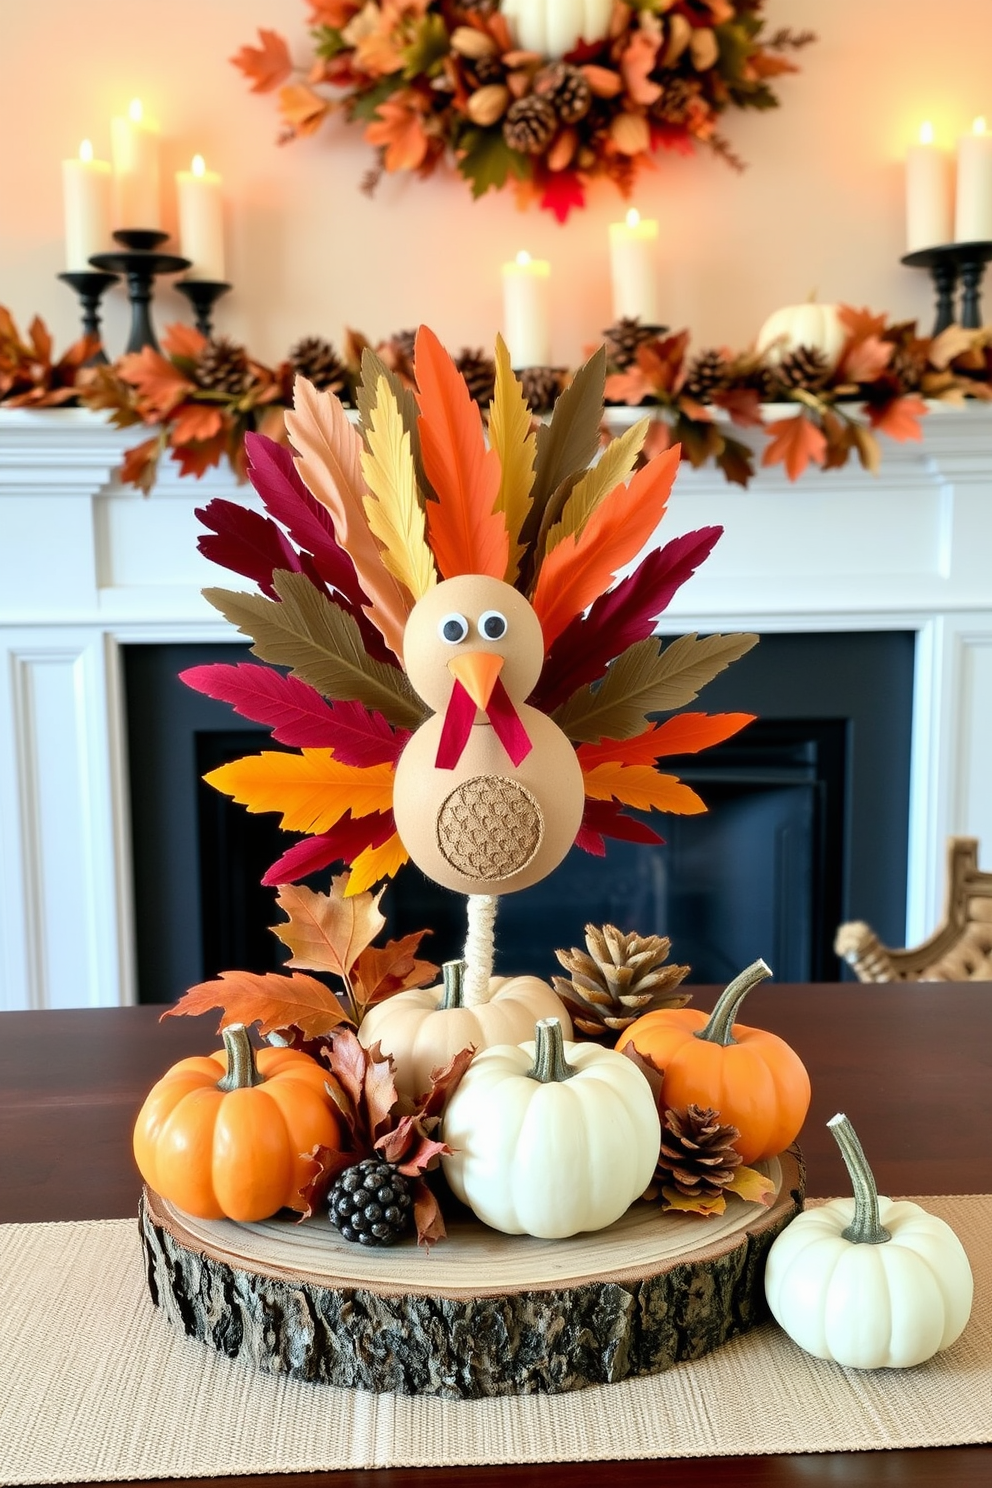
x: 86, y: 150
x: 926, y: 133
x: 978, y: 125
x: 633, y: 217
x: 198, y: 167
x: 135, y: 111
x: 523, y: 257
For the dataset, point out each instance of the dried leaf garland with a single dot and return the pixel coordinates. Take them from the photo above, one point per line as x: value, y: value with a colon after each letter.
x: 643, y: 681
x: 515, y: 444
x: 393, y: 509
x: 273, y: 1001
x: 321, y: 644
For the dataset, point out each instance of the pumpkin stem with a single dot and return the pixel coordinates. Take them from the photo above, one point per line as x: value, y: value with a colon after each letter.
x: 242, y: 1071
x: 549, y: 1053
x: 479, y: 948
x: 865, y: 1228
x: 720, y: 1028
x: 453, y: 972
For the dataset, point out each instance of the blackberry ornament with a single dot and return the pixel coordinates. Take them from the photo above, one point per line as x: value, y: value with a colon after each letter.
x: 371, y: 1203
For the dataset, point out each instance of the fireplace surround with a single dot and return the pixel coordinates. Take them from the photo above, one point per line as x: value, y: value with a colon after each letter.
x: 88, y: 568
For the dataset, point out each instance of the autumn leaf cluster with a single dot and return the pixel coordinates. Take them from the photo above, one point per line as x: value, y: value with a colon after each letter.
x: 431, y: 82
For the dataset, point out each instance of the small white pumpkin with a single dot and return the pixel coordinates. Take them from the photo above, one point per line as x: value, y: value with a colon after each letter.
x: 554, y: 27
x: 869, y: 1282
x: 817, y: 326
x: 425, y: 1027
x: 550, y: 1139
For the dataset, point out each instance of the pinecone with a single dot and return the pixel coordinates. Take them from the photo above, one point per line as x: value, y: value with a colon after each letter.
x: 675, y: 102
x: 371, y: 1203
x: 566, y: 89
x: 620, y: 978
x: 489, y: 69
x: 541, y: 387
x: 761, y: 377
x: 707, y: 374
x: 907, y: 368
x: 697, y: 1158
x: 317, y: 361
x: 222, y: 367
x: 479, y: 372
x: 805, y: 367
x: 623, y: 339
x: 530, y: 125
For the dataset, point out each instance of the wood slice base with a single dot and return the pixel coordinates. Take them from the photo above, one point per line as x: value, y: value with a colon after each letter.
x: 482, y: 1313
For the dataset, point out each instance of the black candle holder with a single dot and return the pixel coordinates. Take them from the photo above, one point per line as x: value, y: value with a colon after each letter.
x: 203, y: 294
x: 140, y: 263
x: 89, y: 285
x: 948, y: 264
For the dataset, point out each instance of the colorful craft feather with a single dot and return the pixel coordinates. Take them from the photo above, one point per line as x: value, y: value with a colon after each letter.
x: 359, y: 523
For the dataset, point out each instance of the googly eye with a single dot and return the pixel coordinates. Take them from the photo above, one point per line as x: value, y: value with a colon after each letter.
x: 492, y: 625
x: 452, y: 628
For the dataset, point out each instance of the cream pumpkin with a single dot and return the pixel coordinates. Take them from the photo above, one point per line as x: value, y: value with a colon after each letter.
x: 812, y: 325
x: 554, y: 27
x: 425, y: 1027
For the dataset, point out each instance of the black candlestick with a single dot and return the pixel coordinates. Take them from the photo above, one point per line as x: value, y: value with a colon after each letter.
x: 140, y: 262
x: 89, y: 285
x: 203, y: 295
x: 948, y: 263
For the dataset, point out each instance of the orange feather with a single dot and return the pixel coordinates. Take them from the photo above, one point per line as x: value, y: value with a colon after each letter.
x: 584, y: 564
x: 643, y: 788
x: 686, y: 733
x: 467, y: 534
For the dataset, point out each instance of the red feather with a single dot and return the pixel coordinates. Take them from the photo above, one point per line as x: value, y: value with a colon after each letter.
x: 297, y: 714
x: 617, y: 619
x: 605, y: 819
x: 248, y: 543
x: 467, y: 534
x: 348, y: 837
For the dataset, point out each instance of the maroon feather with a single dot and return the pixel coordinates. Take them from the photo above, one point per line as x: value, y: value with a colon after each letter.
x: 606, y: 819
x: 272, y: 471
x: 247, y: 542
x: 298, y: 715
x: 625, y: 614
x: 342, y: 844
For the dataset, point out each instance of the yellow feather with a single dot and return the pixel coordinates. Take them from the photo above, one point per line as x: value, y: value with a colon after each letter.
x: 393, y: 509
x: 313, y: 790
x: 512, y: 438
x: 614, y: 466
x: 374, y: 863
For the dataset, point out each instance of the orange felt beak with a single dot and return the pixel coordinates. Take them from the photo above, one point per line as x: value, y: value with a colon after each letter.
x: 477, y: 672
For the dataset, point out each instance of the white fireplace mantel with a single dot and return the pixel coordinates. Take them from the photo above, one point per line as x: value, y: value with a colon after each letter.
x: 88, y: 566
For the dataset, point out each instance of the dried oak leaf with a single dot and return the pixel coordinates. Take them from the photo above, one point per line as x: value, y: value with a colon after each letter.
x: 382, y: 970
x: 329, y: 932
x: 271, y: 1000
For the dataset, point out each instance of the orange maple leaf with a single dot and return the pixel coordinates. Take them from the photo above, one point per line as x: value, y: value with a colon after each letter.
x: 642, y: 787
x: 140, y: 464
x: 865, y: 360
x: 860, y: 323
x: 796, y: 441
x: 302, y: 110
x: 333, y: 13
x: 180, y: 340
x: 267, y: 65
x: 900, y: 419
x: 195, y: 421
x: 328, y: 932
x: 628, y: 387
x: 269, y: 999
x: 160, y: 385
x: 200, y: 455
x: 397, y: 128
x: 382, y: 970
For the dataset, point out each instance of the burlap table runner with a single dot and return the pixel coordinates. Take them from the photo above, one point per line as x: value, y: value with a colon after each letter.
x: 99, y: 1387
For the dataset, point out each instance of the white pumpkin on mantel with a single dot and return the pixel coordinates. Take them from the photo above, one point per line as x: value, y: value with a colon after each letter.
x: 555, y: 27
x: 818, y: 326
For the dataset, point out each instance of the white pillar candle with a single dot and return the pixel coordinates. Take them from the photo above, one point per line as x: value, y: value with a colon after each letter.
x: 201, y: 221
x: 973, y: 213
x: 86, y: 198
x: 633, y: 261
x: 929, y: 197
x: 527, y: 333
x: 134, y: 141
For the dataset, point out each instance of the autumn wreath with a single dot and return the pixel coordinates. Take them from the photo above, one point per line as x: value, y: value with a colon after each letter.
x: 519, y: 96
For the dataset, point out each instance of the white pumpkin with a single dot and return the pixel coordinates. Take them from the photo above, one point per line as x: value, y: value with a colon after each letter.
x: 425, y: 1027
x: 818, y: 326
x: 550, y: 1138
x: 553, y: 28
x: 869, y: 1282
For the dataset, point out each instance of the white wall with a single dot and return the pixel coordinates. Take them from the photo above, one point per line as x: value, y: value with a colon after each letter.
x: 820, y: 206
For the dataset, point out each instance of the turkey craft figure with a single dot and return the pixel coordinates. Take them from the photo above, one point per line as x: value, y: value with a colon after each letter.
x: 470, y: 675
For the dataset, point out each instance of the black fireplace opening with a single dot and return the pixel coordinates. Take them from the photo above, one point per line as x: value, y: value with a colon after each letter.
x: 807, y: 826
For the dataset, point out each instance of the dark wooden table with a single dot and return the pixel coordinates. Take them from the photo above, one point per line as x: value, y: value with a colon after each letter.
x: 910, y: 1065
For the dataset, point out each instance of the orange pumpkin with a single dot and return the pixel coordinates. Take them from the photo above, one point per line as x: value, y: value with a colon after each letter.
x: 222, y: 1136
x: 753, y: 1078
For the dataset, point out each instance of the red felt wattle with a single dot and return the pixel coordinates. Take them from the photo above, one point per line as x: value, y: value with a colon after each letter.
x: 507, y: 724
x: 460, y: 715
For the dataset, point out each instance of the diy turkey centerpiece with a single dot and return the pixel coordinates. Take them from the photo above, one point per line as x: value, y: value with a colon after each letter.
x: 461, y: 667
